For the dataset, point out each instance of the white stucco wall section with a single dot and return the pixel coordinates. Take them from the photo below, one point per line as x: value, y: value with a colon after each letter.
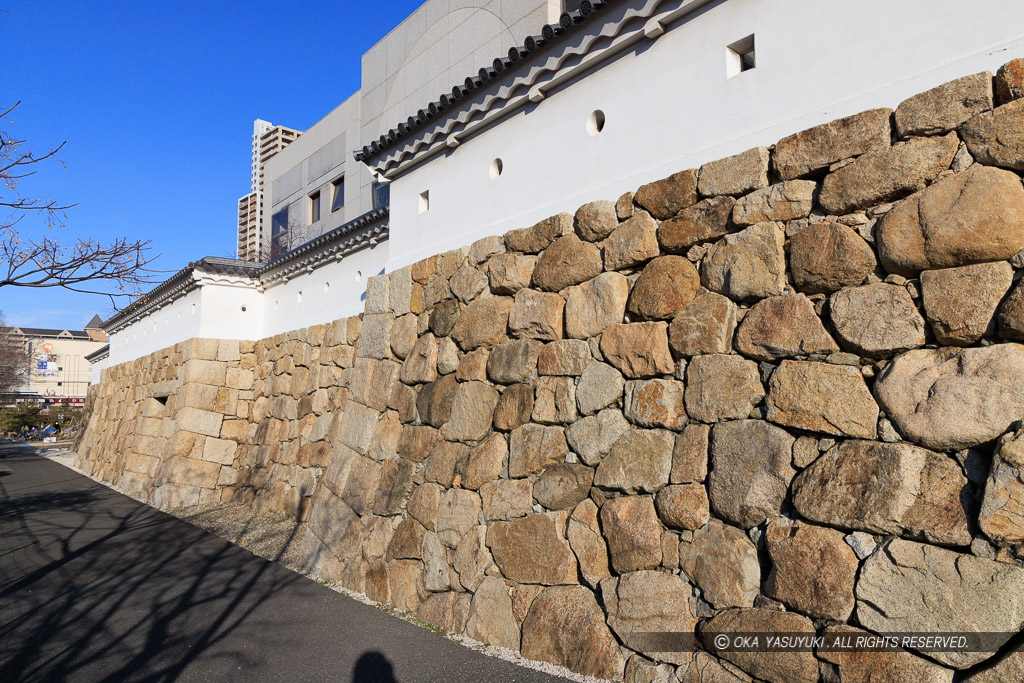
x: 669, y: 106
x: 334, y: 290
x: 213, y: 309
x: 234, y: 307
x: 177, y: 321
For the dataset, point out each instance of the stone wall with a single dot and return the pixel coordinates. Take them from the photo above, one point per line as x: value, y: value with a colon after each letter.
x: 779, y: 392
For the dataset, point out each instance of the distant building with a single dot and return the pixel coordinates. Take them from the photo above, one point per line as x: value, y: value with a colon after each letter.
x: 267, y: 140
x: 59, y: 369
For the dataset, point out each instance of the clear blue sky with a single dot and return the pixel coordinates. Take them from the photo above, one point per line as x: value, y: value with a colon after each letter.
x: 156, y: 102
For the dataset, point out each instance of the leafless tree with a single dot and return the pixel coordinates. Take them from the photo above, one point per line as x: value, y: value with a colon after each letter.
x: 115, y: 269
x: 14, y: 358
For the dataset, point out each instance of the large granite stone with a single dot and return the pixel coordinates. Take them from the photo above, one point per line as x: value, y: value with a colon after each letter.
x: 566, y: 626
x: 887, y: 174
x: 533, y: 448
x: 950, y: 399
x: 594, y: 305
x: 1002, y: 508
x: 821, y: 397
x: 705, y: 221
x: 633, y: 533
x: 536, y: 238
x: 960, y: 303
x: 896, y: 324
x: 887, y: 488
x: 482, y: 323
x: 536, y: 315
x: 775, y: 667
x: 971, y: 217
x: 533, y: 549
x: 490, y: 615
x: 722, y: 387
x: 783, y: 327
x: 996, y: 138
x: 665, y: 287
x: 747, y: 265
x: 944, y: 107
x: 907, y: 586
x: 568, y: 261
x: 706, y: 325
x: 648, y: 601
x: 750, y: 471
x: 513, y: 361
x: 640, y: 460
x: 813, y: 569
x: 825, y: 257
x: 735, y: 175
x: 584, y: 534
x: 780, y: 202
x: 638, y: 349
x: 722, y: 561
x: 632, y: 243
x: 817, y: 148
x: 665, y: 198
x: 655, y: 403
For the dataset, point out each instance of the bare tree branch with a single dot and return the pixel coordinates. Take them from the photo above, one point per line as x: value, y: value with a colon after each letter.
x: 116, y: 269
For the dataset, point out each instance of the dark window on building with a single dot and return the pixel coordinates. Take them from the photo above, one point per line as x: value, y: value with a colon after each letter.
x: 279, y: 233
x: 314, y: 207
x: 337, y: 194
x: 381, y: 195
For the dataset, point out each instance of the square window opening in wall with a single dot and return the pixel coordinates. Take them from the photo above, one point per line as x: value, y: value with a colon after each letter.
x: 740, y: 57
x: 314, y: 207
x: 338, y: 194
x: 424, y: 201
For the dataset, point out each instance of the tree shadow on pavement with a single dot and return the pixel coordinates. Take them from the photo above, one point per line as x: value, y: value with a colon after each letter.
x: 95, y: 586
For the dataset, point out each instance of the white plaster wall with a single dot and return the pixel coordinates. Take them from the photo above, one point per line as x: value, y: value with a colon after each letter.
x: 173, y: 323
x: 230, y: 312
x: 334, y: 290
x: 213, y: 310
x: 669, y: 106
x: 96, y: 370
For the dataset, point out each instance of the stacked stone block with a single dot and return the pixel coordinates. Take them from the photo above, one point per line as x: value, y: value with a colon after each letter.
x: 167, y: 427
x: 781, y: 392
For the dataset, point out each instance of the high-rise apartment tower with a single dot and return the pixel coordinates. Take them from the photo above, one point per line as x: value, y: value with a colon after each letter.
x: 267, y: 140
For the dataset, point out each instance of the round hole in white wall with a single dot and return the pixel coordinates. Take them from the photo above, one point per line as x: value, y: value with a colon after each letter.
x: 595, y: 124
x: 298, y: 297
x: 496, y: 168
x: 193, y: 309
x: 327, y: 287
x: 243, y: 309
x: 359, y: 275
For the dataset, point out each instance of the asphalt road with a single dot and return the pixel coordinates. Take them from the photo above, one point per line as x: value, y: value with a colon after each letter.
x: 95, y: 586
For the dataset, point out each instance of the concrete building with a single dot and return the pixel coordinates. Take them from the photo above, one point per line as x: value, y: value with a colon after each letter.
x: 267, y: 140
x: 535, y: 113
x: 315, y: 185
x: 60, y: 370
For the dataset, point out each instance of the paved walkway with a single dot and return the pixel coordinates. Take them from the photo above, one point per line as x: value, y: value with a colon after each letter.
x: 95, y: 586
